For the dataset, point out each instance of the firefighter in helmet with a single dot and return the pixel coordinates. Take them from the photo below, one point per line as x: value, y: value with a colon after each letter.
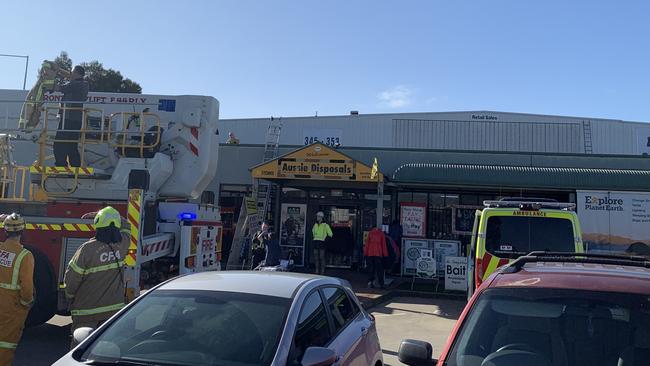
x: 94, y: 280
x: 16, y: 286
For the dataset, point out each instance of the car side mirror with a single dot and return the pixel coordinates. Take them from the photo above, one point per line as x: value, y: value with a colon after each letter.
x: 318, y: 356
x: 80, y: 334
x: 415, y: 353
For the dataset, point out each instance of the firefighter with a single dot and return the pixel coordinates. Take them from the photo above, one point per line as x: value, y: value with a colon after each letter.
x: 94, y: 280
x: 16, y: 287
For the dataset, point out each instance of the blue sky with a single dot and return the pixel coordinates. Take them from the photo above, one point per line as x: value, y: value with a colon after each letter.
x: 292, y: 58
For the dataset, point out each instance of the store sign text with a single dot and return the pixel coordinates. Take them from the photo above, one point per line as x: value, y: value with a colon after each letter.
x: 320, y: 168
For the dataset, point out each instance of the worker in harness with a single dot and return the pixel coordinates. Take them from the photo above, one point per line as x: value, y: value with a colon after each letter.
x: 31, y: 113
x: 66, y: 145
x: 94, y: 280
x: 16, y: 286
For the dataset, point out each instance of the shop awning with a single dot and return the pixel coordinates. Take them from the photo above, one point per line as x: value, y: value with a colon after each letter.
x: 522, y: 176
x: 317, y: 162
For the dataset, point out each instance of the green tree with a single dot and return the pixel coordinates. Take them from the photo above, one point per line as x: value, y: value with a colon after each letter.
x: 101, y: 79
x: 64, y: 62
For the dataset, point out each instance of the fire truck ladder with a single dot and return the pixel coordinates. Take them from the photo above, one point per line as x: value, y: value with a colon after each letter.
x: 12, y: 176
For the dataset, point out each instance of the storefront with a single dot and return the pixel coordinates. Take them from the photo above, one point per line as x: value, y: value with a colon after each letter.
x: 319, y: 178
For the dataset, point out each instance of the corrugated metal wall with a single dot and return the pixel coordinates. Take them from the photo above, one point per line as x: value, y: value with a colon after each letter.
x: 488, y: 135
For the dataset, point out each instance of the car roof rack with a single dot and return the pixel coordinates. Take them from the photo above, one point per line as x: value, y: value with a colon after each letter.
x: 569, y: 257
x: 526, y: 199
x: 536, y: 205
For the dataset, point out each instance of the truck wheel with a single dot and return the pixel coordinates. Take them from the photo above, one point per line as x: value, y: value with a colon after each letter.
x: 45, y: 292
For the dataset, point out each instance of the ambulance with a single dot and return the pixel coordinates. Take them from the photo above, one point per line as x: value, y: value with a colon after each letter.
x: 512, y: 227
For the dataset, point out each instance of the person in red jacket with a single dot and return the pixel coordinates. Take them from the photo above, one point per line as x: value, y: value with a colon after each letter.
x: 375, y: 251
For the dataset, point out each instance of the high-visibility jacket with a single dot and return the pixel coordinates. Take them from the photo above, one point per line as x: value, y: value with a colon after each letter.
x: 16, y: 295
x: 321, y: 231
x: 31, y: 112
x: 94, y: 280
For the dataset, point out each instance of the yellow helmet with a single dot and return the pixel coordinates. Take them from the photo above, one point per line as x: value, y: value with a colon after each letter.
x: 107, y: 216
x: 14, y: 222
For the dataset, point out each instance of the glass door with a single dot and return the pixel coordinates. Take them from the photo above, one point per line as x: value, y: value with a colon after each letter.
x: 340, y: 248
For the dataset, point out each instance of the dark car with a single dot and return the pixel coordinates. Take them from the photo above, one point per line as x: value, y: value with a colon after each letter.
x: 561, y: 309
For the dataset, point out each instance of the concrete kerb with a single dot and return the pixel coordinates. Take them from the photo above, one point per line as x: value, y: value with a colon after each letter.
x: 391, y: 294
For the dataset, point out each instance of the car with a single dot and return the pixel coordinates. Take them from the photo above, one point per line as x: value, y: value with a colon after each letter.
x: 236, y: 318
x: 556, y: 309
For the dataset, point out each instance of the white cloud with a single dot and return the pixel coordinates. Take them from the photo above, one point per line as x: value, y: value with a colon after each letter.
x: 396, y: 97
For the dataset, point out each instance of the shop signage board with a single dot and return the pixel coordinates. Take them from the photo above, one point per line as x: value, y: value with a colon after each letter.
x: 643, y: 141
x: 413, y: 217
x: 426, y: 264
x: 251, y: 205
x: 411, y: 251
x: 455, y: 271
x: 462, y: 221
x: 292, y: 234
x: 316, y: 162
x: 443, y: 249
x: 615, y: 221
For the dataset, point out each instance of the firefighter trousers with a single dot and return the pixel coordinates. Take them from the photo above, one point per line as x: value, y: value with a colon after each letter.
x: 91, y: 321
x: 12, y: 322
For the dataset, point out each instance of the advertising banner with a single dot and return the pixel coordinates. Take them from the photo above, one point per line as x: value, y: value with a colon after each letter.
x: 443, y: 249
x: 615, y: 221
x: 413, y: 218
x: 456, y: 273
x: 411, y: 252
x: 292, y: 234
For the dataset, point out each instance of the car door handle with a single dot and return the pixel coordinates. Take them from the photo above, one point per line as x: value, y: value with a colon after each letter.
x: 364, y: 331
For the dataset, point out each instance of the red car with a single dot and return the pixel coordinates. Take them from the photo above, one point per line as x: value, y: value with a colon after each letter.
x: 560, y: 309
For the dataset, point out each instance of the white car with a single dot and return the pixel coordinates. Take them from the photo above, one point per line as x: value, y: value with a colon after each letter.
x: 236, y: 318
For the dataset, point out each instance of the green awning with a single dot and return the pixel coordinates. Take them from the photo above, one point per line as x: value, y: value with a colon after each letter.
x: 522, y: 177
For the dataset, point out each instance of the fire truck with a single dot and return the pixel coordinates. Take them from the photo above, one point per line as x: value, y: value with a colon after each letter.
x: 149, y: 156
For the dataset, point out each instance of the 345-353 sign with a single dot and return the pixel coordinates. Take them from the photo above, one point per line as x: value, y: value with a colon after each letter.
x: 326, y: 136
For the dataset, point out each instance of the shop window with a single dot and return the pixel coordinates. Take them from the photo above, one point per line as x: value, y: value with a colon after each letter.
x: 436, y: 199
x: 293, y: 193
x: 452, y: 199
x: 420, y: 197
x: 404, y: 197
x: 469, y: 199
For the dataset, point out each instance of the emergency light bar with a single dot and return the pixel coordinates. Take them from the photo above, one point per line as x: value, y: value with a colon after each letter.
x: 530, y: 205
x: 187, y: 216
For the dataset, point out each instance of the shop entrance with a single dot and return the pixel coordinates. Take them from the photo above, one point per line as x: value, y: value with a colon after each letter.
x: 341, y: 247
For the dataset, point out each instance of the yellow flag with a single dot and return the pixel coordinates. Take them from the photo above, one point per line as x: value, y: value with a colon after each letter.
x: 375, y: 169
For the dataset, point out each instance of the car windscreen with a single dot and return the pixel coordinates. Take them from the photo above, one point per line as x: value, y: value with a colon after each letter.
x: 187, y: 327
x: 513, y: 236
x: 539, y: 327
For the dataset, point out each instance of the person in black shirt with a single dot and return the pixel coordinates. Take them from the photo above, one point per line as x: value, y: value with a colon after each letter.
x: 66, y: 146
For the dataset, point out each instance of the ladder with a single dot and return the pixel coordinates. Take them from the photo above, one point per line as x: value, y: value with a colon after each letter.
x: 264, y: 190
x: 587, y: 136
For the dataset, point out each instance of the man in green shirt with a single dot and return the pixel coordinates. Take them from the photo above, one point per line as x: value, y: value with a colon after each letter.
x: 320, y: 232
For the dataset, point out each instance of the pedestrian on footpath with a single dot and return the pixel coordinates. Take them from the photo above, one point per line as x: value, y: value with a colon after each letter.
x: 16, y: 286
x: 94, y: 280
x: 320, y: 232
x: 375, y: 251
x: 260, y: 242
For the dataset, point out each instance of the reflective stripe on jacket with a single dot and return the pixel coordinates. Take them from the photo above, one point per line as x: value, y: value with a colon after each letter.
x: 17, y: 272
x: 321, y: 231
x: 94, y: 280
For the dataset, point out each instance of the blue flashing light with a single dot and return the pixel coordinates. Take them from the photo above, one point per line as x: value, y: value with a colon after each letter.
x: 187, y: 216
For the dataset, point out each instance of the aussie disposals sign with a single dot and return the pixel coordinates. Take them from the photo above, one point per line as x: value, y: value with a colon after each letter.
x: 615, y: 221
